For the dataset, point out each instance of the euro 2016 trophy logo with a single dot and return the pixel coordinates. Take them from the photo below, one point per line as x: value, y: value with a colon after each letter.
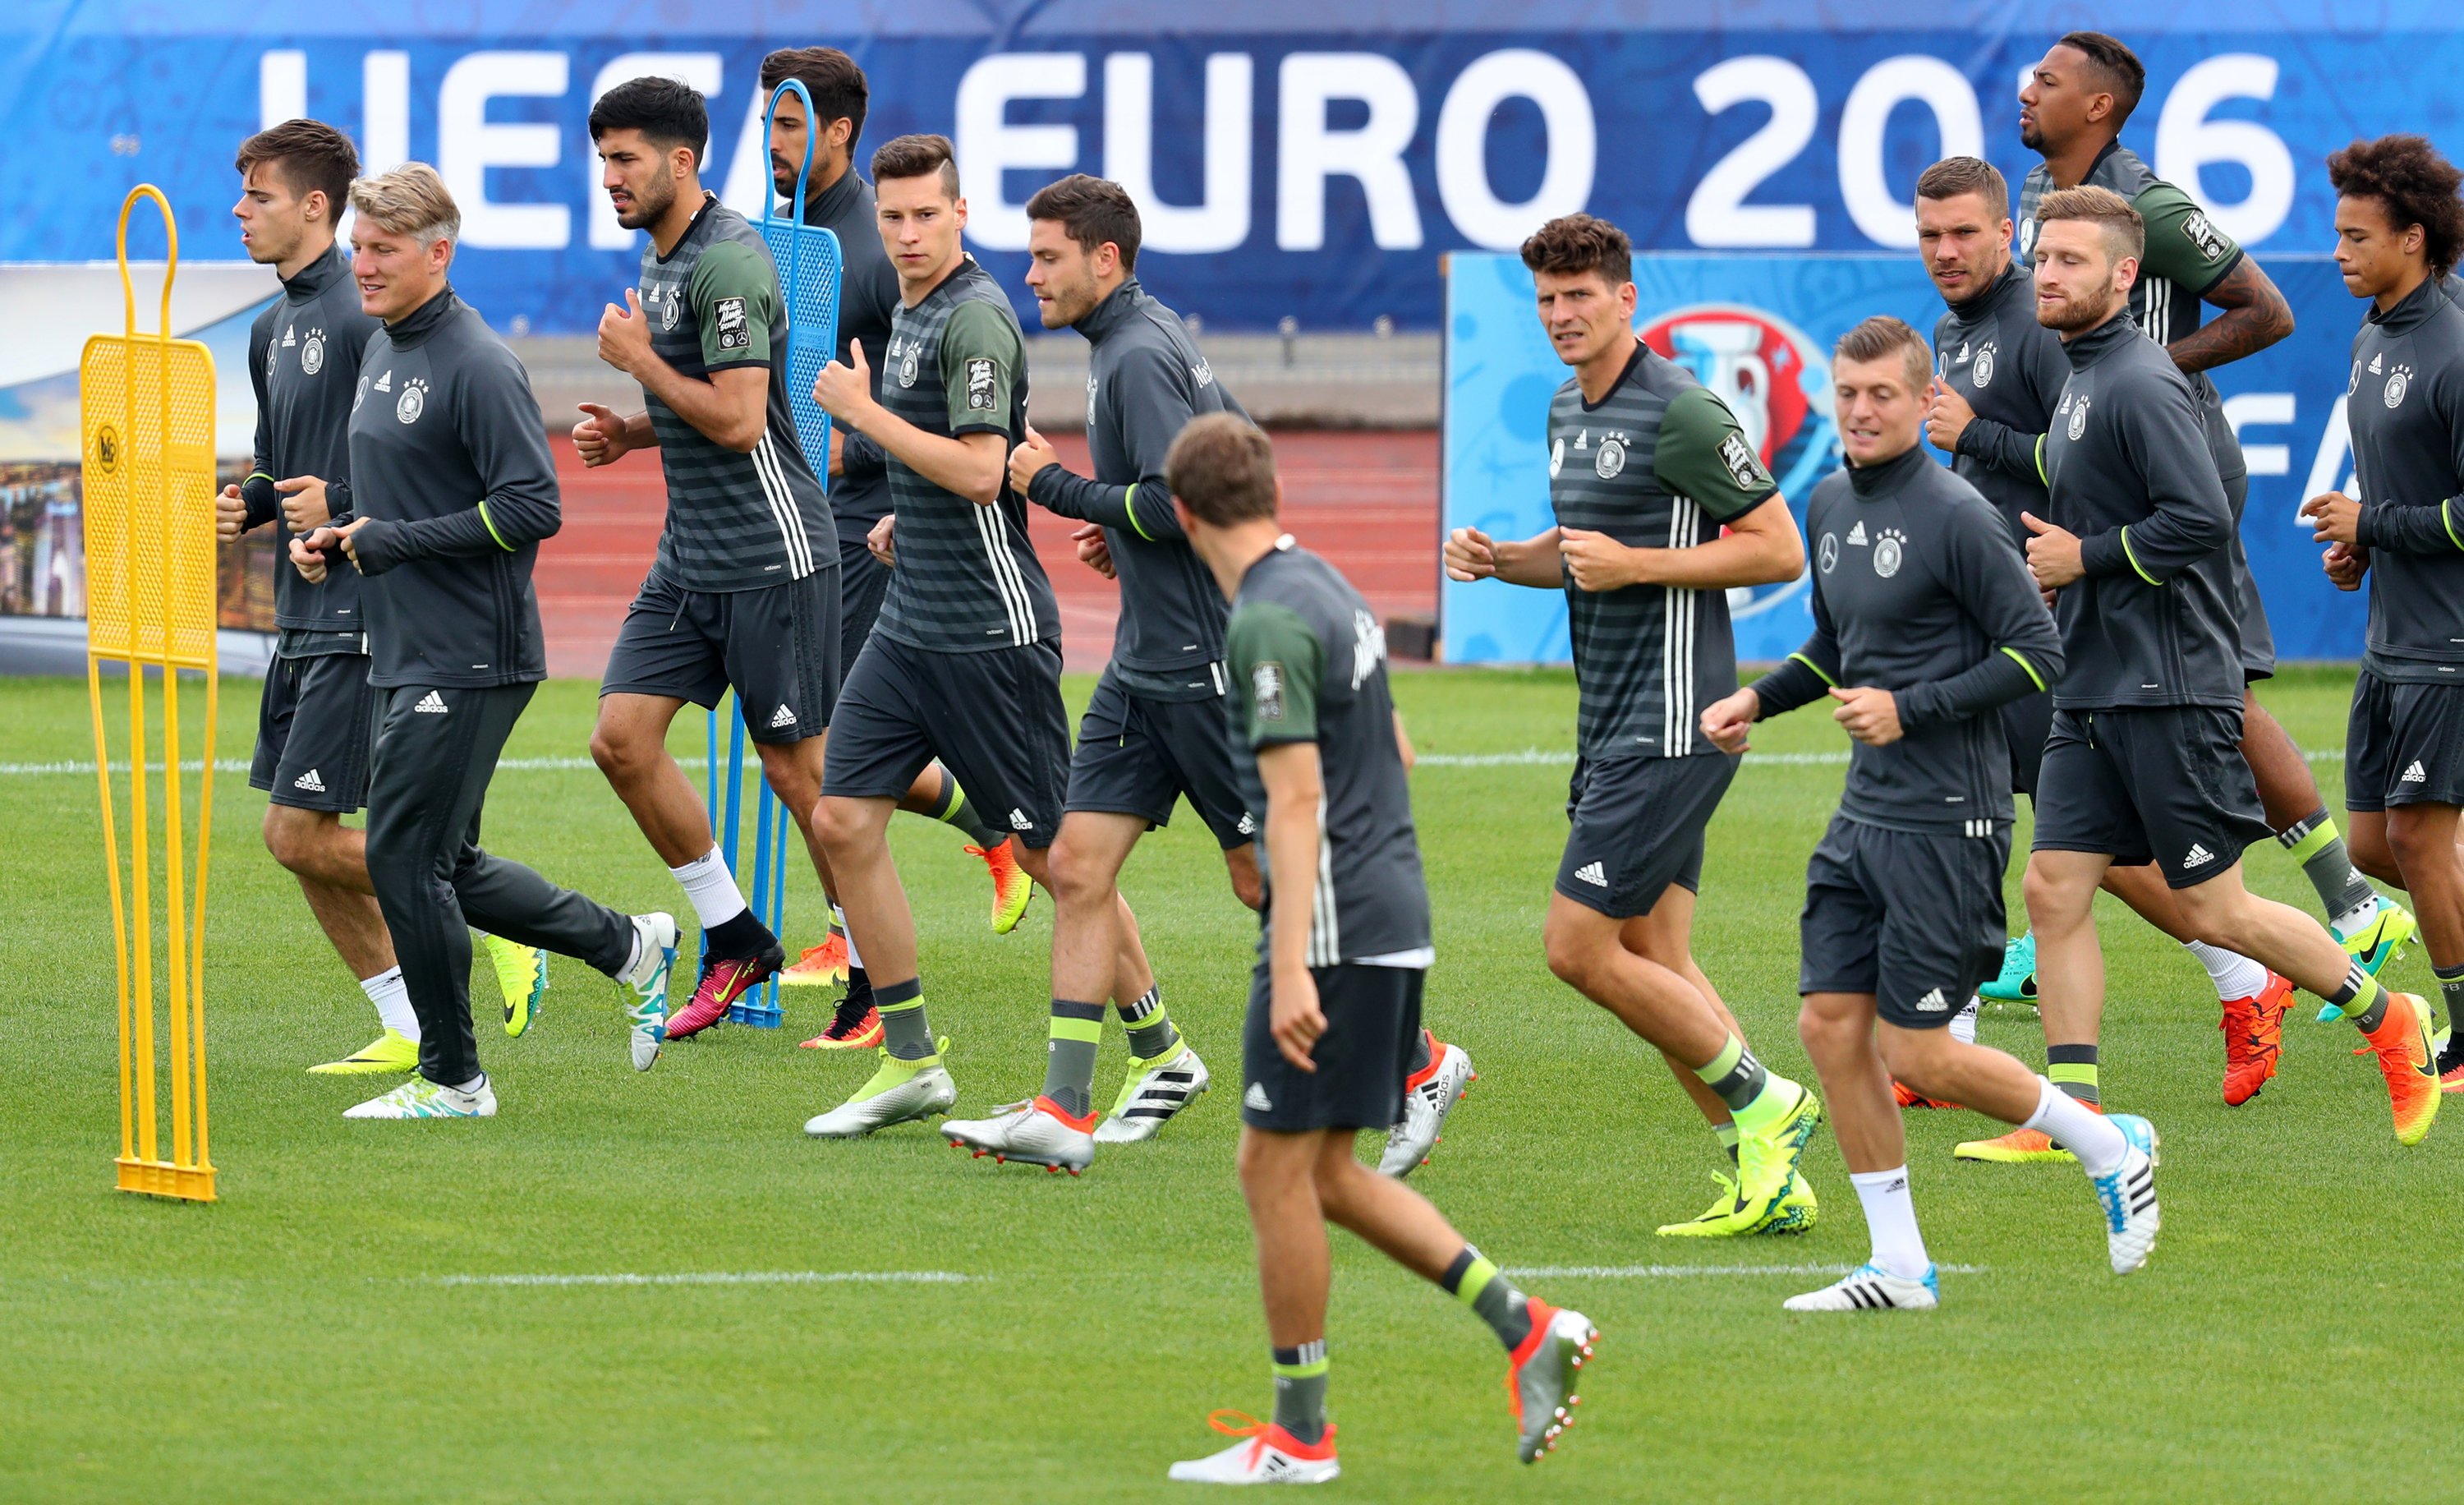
x: 1778, y: 384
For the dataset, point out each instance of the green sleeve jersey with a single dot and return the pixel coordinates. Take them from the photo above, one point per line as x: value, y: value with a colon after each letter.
x: 981, y: 356
x: 1279, y: 661
x: 1703, y: 453
x: 2184, y: 246
x: 734, y: 294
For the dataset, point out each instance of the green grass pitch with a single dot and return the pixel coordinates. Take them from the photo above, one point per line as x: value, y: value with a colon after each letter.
x: 306, y: 1338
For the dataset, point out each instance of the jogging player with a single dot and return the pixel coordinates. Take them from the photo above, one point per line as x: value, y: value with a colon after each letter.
x: 454, y: 489
x: 1334, y: 1002
x: 964, y: 664
x: 1925, y: 625
x: 1662, y: 507
x: 311, y: 726
x: 2000, y: 374
x: 2139, y: 766
x: 2399, y: 226
x: 2071, y: 112
x: 837, y: 196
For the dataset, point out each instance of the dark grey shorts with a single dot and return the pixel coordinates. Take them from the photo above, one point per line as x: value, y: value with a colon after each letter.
x: 2403, y: 744
x: 314, y: 727
x: 2026, y: 723
x: 1914, y: 919
x: 994, y: 720
x: 1138, y: 756
x: 2258, y: 639
x: 775, y: 646
x: 2166, y: 784
x: 1372, y: 1019
x: 1639, y: 825
x: 862, y: 580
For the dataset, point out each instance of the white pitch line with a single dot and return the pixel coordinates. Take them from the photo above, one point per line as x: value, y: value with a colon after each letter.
x: 746, y: 1277
x: 1683, y: 1272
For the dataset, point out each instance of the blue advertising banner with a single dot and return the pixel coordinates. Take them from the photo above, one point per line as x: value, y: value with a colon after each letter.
x: 1302, y: 159
x: 1759, y: 329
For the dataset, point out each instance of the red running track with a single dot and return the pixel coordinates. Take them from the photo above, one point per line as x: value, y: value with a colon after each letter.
x: 1367, y: 501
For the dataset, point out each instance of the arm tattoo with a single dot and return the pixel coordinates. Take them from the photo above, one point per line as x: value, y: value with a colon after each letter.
x: 2254, y: 316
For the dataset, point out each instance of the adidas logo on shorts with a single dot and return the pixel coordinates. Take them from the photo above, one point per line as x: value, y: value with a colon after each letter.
x: 2417, y: 774
x: 783, y: 717
x: 2197, y: 856
x: 310, y: 782
x: 433, y: 704
x: 1248, y: 826
x: 1593, y: 873
x: 1256, y: 1100
x: 1933, y: 1003
x: 1018, y: 821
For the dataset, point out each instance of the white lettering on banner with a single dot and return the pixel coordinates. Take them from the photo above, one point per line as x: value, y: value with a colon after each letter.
x: 1885, y: 218
x: 1463, y: 146
x: 2186, y: 141
x: 989, y: 145
x: 1219, y: 221
x: 1717, y: 214
x: 384, y: 111
x: 2269, y: 410
x: 2334, y: 447
x: 703, y: 70
x: 1308, y: 153
x: 748, y: 190
x: 468, y: 143
x: 281, y: 87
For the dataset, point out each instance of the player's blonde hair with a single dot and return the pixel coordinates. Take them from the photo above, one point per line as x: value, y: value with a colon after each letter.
x: 410, y: 200
x: 1882, y: 335
x: 2125, y: 234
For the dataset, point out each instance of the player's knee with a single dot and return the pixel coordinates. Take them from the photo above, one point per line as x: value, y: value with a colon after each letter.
x: 1574, y: 957
x: 2368, y: 847
x: 618, y: 755
x: 1246, y: 885
x: 838, y: 825
x: 1915, y: 1056
x: 291, y: 836
x: 2417, y: 842
x: 1821, y: 1031
x: 2055, y: 900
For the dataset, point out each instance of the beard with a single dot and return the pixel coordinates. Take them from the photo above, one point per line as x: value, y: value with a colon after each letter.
x: 2032, y: 136
x: 2082, y: 313
x: 651, y: 201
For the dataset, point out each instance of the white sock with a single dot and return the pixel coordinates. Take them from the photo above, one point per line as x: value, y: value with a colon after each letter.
x: 392, y: 998
x: 837, y: 917
x: 1963, y: 1024
x: 711, y: 888
x: 2354, y: 919
x: 2235, y: 976
x: 471, y: 1087
x: 1891, y: 1218
x: 2078, y: 1128
x: 630, y: 971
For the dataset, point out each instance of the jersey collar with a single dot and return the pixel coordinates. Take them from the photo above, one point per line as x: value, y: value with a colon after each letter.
x: 1624, y: 376
x: 1879, y: 480
x: 413, y: 328
x: 2416, y: 307
x: 2006, y: 286
x: 2087, y: 350
x: 709, y: 202
x: 1112, y: 312
x: 317, y: 275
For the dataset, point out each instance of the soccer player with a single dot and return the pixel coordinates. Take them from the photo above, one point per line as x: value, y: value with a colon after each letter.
x: 2141, y: 765
x: 454, y: 488
x: 2072, y: 111
x: 2399, y: 229
x: 1334, y: 1002
x: 837, y: 196
x: 964, y: 664
x: 1663, y: 506
x: 2000, y: 375
x: 311, y: 726
x: 1925, y: 625
x: 738, y: 597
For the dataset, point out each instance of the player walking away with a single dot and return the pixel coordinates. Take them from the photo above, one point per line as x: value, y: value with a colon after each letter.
x: 312, y: 726
x: 2072, y: 111
x: 964, y: 664
x: 453, y: 489
x: 2399, y: 226
x: 1343, y: 952
x: 1925, y: 625
x: 738, y: 597
x: 1646, y: 470
x: 1999, y: 375
x: 837, y: 196
x: 2139, y: 766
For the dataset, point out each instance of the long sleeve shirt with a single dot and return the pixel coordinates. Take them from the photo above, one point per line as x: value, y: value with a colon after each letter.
x: 2128, y: 469
x: 2010, y: 369
x: 1919, y: 589
x: 303, y: 359
x: 457, y: 487
x: 2405, y: 406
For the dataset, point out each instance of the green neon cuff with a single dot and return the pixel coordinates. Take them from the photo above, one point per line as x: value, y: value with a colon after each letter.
x: 2446, y: 516
x: 2021, y: 659
x: 491, y: 529
x: 2134, y: 560
x: 1818, y: 670
x: 1129, y: 504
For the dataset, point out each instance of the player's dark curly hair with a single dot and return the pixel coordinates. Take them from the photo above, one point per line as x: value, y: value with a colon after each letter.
x: 2413, y: 184
x: 667, y: 113
x: 1573, y: 244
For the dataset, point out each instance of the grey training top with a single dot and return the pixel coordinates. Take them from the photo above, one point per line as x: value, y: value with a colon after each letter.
x: 2405, y: 406
x: 1918, y: 589
x: 1145, y: 381
x: 1659, y: 462
x: 303, y: 358
x: 2153, y: 622
x: 458, y: 488
x: 735, y: 521
x: 1309, y: 665
x: 867, y: 300
x: 2010, y: 368
x: 967, y: 579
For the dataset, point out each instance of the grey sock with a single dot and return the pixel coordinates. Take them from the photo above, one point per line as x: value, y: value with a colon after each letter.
x: 1494, y: 1300
x: 1419, y: 1055
x: 1300, y: 1390
x: 956, y: 812
x: 1069, y: 1055
x: 1150, y: 1030
x: 2328, y: 866
x: 2451, y: 989
x: 903, y: 1026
